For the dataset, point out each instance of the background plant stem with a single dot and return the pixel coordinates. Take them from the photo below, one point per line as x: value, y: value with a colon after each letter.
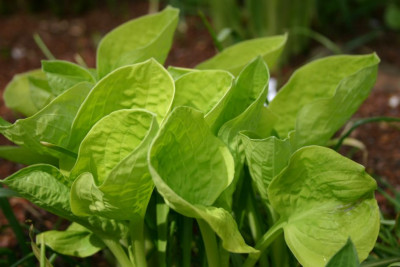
x: 210, y: 243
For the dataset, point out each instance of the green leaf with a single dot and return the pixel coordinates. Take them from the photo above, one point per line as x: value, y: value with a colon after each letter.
x: 40, y: 92
x: 346, y: 256
x: 52, y: 124
x: 266, y: 158
x: 75, y: 241
x: 114, y: 180
x: 202, y: 89
x: 145, y: 85
x: 234, y: 58
x: 191, y: 168
x: 250, y: 87
x: 137, y: 40
x: 334, y: 85
x: 177, y: 72
x: 24, y: 156
x: 323, y: 199
x: 62, y: 75
x: 17, y: 93
x: 46, y: 187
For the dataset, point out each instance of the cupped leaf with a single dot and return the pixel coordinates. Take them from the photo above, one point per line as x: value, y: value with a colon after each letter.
x: 145, y: 85
x: 235, y: 57
x: 325, y: 198
x: 45, y: 186
x: 75, y: 241
x: 333, y: 85
x: 265, y: 158
x: 62, y: 75
x: 52, y: 124
x: 191, y: 168
x: 114, y: 180
x: 346, y: 256
x: 17, y: 95
x: 137, y: 40
x: 251, y: 86
x: 202, y: 89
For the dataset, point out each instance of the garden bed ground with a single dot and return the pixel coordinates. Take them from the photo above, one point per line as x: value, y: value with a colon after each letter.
x: 66, y: 37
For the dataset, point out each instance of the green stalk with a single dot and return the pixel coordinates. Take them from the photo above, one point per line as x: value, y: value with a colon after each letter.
x: 15, y: 226
x: 187, y: 241
x: 383, y: 262
x: 43, y: 47
x: 162, y: 211
x: 42, y: 253
x: 136, y: 230
x: 118, y: 252
x: 210, y: 243
x: 361, y: 122
x: 264, y: 242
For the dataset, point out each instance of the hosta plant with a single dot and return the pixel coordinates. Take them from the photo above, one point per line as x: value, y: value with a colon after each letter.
x: 137, y: 156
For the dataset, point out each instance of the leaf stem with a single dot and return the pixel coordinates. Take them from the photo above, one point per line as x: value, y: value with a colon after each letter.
x: 162, y: 211
x: 136, y: 230
x: 187, y: 241
x: 264, y: 242
x: 210, y: 243
x: 118, y: 252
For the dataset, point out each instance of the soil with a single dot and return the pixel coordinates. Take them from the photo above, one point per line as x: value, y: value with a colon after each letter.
x: 69, y: 36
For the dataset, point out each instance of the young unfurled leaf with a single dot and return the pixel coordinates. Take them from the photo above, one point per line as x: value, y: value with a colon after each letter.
x: 75, y: 241
x: 191, y: 168
x: 145, y: 85
x: 113, y: 179
x: 266, y: 158
x: 334, y: 85
x: 46, y: 187
x: 137, y: 40
x: 346, y: 256
x: 322, y: 199
x: 52, y: 124
x: 17, y: 95
x: 250, y: 87
x: 202, y: 89
x: 235, y: 57
x: 62, y: 75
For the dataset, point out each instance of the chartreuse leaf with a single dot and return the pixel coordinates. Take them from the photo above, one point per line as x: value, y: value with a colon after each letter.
x: 235, y: 57
x: 17, y: 94
x: 114, y: 180
x: 75, y: 241
x: 191, y: 168
x: 250, y: 87
x: 266, y: 158
x: 346, y: 256
x: 52, y: 124
x: 62, y: 75
x: 137, y: 40
x: 323, y: 199
x: 45, y: 186
x: 202, y: 89
x: 177, y: 72
x: 333, y: 85
x: 144, y: 85
x: 40, y: 92
x: 24, y: 156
